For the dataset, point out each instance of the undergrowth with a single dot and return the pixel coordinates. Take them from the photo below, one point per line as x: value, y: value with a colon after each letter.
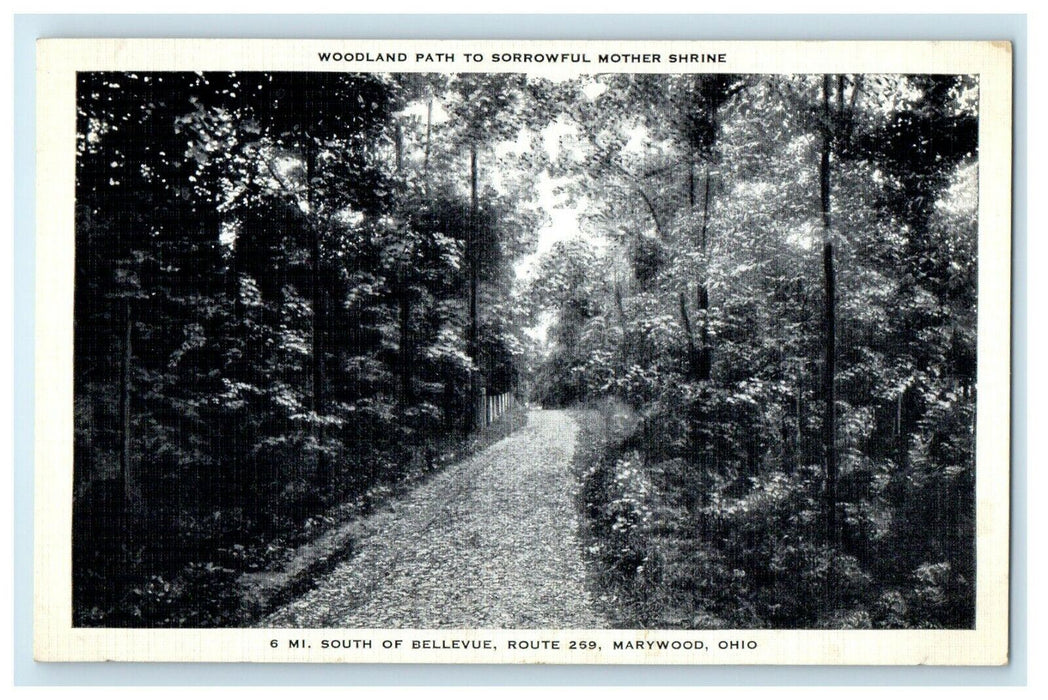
x: 674, y: 547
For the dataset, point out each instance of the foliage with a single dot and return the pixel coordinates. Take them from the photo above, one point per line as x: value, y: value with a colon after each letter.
x: 712, y: 511
x: 290, y: 289
x: 281, y: 272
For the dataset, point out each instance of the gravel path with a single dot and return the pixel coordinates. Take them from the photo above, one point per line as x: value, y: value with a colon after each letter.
x: 489, y: 543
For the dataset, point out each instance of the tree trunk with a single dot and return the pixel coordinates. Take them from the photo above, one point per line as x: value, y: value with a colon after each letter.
x: 705, y: 210
x: 691, y: 184
x: 472, y: 254
x: 829, y: 322
x: 127, y: 477
x: 694, y: 363
x: 699, y: 355
x: 316, y: 334
x: 317, y: 316
x: 236, y: 338
x: 477, y: 388
x: 405, y: 351
x: 398, y: 143
x: 425, y: 157
x: 705, y: 359
x: 798, y: 435
x: 619, y: 306
x: 902, y: 430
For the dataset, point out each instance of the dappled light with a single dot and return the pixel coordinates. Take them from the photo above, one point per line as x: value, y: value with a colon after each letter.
x: 319, y: 315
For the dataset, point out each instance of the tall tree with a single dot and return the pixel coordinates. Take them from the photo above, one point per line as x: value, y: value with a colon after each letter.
x: 699, y: 126
x: 486, y: 109
x: 829, y: 416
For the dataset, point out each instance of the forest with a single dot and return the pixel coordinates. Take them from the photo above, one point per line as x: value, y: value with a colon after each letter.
x: 755, y: 293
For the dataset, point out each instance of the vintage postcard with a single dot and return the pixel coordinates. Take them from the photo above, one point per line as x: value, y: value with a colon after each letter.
x: 523, y: 352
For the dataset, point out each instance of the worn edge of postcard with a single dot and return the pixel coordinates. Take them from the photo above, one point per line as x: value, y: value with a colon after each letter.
x: 58, y: 61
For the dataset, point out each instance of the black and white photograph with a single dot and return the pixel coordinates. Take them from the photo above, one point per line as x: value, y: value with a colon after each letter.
x: 682, y: 349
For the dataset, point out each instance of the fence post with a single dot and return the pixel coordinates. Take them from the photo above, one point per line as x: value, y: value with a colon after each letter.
x: 480, y: 408
x: 490, y: 408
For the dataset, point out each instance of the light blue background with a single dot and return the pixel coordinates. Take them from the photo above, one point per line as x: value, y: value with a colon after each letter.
x: 30, y: 27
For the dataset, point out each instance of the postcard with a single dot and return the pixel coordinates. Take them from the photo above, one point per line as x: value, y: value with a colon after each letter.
x: 570, y: 352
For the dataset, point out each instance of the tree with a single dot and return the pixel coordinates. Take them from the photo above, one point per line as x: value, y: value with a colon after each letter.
x: 485, y: 108
x: 829, y: 420
x: 826, y: 257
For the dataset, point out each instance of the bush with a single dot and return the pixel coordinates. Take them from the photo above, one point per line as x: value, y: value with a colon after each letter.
x: 689, y: 543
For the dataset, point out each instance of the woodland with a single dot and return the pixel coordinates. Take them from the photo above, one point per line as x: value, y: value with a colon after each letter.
x: 756, y: 293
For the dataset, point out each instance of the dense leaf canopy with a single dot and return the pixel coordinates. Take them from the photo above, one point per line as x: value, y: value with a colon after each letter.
x: 291, y: 289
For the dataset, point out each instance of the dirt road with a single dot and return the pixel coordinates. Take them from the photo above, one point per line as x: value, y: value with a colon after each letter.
x: 490, y: 542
